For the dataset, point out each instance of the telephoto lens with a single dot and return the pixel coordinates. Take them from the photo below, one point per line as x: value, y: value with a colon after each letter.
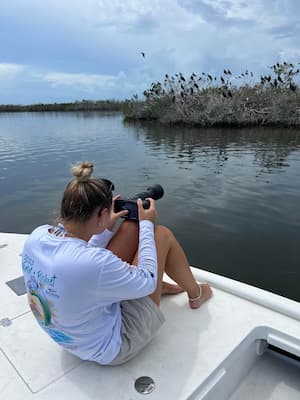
x: 155, y: 192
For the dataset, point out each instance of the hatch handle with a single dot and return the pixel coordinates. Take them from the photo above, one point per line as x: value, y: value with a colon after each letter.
x: 287, y: 344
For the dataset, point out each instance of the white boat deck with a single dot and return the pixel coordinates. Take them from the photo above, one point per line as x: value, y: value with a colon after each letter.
x: 193, y: 351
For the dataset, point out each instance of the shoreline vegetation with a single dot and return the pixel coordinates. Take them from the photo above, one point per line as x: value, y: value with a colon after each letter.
x: 83, y: 105
x: 204, y: 100
x: 225, y: 101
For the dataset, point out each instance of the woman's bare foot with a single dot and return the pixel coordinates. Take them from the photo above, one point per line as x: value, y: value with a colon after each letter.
x: 170, y: 288
x: 204, y: 295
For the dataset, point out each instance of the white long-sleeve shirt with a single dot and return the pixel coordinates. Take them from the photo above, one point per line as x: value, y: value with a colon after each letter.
x: 75, y: 288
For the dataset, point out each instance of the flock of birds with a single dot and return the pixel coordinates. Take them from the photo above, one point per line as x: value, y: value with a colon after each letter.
x: 179, y: 87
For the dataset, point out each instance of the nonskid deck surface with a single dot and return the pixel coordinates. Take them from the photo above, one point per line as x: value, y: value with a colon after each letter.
x: 187, y: 349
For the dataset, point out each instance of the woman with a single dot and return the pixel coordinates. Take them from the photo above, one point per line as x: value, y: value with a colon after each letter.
x: 96, y: 292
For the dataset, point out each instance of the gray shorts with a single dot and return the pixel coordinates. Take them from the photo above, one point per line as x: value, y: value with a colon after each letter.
x: 141, y: 319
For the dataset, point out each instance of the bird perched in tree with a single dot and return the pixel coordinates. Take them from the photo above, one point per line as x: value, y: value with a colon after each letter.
x: 143, y: 54
x: 293, y: 87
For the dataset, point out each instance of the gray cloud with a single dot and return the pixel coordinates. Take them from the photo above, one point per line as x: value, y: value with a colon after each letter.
x: 214, y: 15
x: 93, y: 48
x: 287, y: 30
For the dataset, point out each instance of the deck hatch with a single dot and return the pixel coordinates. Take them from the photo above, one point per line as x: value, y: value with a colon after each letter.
x: 17, y: 285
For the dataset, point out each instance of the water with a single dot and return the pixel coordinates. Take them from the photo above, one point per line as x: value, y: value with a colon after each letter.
x: 231, y: 196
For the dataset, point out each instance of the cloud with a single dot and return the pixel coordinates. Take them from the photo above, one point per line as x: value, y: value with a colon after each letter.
x: 84, y: 81
x: 287, y: 30
x: 89, y: 84
x: 56, y: 50
x: 220, y: 13
x: 9, y: 71
x: 33, y: 85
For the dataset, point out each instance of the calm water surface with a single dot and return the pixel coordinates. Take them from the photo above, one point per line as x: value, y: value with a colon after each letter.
x: 231, y: 196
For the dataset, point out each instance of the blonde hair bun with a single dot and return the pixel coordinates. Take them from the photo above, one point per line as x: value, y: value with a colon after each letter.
x: 83, y: 169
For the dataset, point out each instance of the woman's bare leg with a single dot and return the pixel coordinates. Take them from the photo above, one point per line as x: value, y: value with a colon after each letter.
x: 177, y: 267
x: 172, y: 260
x: 170, y: 255
x: 125, y: 241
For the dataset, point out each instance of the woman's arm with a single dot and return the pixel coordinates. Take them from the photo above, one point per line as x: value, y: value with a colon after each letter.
x: 120, y: 280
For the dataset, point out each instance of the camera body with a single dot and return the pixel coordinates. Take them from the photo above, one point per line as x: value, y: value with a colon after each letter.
x: 154, y: 192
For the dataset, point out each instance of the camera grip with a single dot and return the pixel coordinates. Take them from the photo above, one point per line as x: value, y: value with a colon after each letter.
x: 131, y: 206
x: 146, y: 204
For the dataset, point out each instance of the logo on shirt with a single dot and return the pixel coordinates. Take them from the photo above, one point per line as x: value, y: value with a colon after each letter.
x: 39, y: 287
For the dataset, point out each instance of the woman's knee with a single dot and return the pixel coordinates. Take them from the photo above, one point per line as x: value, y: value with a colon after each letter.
x: 161, y: 232
x: 129, y: 228
x: 124, y: 243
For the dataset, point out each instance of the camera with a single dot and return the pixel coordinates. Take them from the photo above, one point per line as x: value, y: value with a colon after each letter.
x: 154, y: 192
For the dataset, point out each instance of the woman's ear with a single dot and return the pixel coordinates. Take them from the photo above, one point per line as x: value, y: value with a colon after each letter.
x: 100, y: 211
x: 104, y: 211
x: 100, y: 221
x: 102, y: 215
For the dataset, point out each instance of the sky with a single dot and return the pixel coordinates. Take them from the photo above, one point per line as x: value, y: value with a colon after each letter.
x: 61, y: 51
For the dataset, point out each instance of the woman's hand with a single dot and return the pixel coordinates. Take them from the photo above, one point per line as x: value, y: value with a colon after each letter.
x: 115, y: 216
x: 150, y: 213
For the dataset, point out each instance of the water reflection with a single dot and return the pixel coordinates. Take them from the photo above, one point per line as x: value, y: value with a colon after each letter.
x: 271, y: 147
x: 232, y: 197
